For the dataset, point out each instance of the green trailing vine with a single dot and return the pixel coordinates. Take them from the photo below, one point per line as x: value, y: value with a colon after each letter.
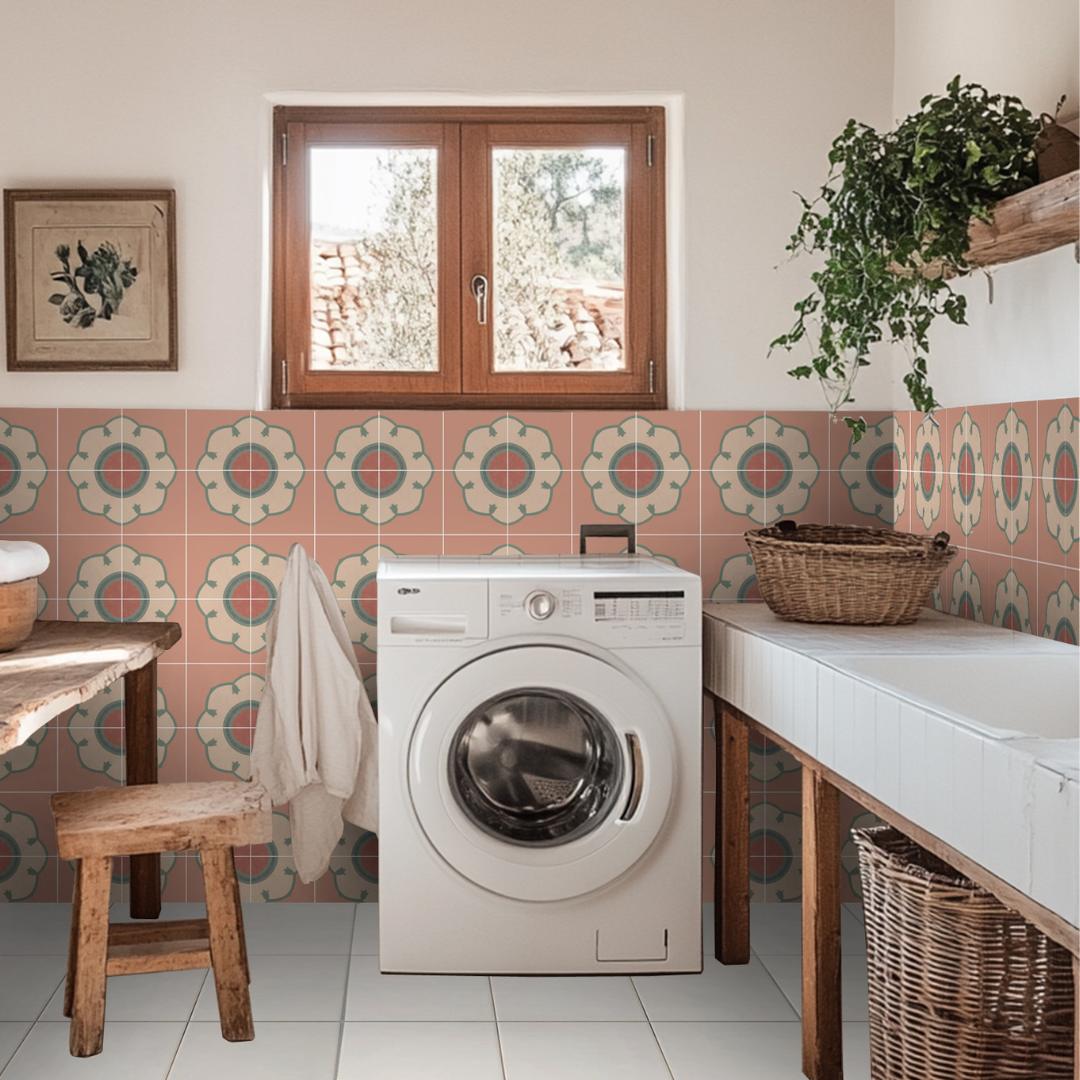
x: 892, y: 223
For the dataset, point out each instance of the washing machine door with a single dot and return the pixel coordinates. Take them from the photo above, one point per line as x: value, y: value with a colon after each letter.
x: 542, y: 773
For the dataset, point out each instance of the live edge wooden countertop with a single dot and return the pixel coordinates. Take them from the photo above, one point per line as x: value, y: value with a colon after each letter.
x: 64, y: 663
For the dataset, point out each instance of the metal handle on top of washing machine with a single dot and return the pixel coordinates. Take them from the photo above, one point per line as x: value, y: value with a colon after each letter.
x: 637, y: 775
x: 627, y: 531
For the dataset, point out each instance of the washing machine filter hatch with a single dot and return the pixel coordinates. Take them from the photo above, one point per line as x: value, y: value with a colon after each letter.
x: 536, y: 767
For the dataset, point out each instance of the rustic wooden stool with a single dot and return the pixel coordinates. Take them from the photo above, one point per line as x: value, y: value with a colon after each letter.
x: 94, y: 826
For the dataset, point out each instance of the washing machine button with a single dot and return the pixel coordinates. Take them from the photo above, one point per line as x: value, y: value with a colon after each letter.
x: 540, y: 604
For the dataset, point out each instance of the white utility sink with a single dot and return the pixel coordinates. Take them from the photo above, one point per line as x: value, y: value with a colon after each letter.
x: 1030, y: 695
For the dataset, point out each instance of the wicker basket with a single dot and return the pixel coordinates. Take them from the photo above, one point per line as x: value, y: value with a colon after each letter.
x: 960, y: 987
x: 846, y: 573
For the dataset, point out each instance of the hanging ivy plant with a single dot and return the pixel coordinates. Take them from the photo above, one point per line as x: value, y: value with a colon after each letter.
x: 892, y: 223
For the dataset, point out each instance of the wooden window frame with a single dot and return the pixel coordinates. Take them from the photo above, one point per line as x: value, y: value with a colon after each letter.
x: 464, y: 137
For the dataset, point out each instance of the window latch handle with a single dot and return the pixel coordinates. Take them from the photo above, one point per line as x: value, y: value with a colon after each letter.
x: 479, y: 288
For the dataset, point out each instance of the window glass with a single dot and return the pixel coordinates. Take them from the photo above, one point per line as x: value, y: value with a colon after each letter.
x: 374, y: 258
x: 559, y: 241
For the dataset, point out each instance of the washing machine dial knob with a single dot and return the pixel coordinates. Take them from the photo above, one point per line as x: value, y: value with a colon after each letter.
x: 540, y: 604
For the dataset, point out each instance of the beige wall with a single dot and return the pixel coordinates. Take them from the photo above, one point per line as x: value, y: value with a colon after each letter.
x: 1027, y: 344
x: 174, y: 94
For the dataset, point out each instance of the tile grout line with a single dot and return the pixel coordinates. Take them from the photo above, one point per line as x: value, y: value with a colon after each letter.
x: 187, y: 1022
x: 345, y: 998
x: 652, y: 1030
x: 498, y: 1028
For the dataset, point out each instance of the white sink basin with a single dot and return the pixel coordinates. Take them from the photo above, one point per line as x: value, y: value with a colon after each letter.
x: 1035, y: 695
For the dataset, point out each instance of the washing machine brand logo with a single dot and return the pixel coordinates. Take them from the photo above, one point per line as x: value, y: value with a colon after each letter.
x: 407, y: 592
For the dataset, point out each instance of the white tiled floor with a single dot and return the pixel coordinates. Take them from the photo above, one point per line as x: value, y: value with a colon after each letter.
x: 323, y: 1011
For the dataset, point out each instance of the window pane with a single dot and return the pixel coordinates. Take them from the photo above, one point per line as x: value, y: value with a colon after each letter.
x: 374, y: 259
x: 559, y: 236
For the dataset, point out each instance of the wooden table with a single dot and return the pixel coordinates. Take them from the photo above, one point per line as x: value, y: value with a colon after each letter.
x: 822, y: 1057
x: 62, y: 664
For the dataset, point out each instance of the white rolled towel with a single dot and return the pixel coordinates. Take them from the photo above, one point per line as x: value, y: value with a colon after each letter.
x: 21, y: 559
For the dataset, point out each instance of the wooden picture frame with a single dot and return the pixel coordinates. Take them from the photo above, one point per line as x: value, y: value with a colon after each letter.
x: 90, y: 280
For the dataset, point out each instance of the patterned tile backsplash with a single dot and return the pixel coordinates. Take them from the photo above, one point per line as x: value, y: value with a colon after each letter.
x: 189, y: 515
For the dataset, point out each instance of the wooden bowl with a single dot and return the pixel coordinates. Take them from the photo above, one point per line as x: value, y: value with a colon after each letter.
x: 18, y: 610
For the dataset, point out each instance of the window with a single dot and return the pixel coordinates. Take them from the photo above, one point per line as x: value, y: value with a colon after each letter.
x: 477, y: 257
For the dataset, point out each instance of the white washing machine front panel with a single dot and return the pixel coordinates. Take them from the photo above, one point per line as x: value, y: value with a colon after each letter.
x: 631, y: 818
x: 594, y: 664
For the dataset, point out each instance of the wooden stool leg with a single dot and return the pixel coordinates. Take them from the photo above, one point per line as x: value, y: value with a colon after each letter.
x: 227, y: 948
x: 88, y: 992
x: 240, y: 923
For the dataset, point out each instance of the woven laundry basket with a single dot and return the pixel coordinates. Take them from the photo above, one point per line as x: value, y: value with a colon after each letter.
x: 960, y: 987
x: 846, y: 573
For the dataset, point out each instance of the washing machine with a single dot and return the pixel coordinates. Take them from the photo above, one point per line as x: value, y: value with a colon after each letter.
x: 540, y: 765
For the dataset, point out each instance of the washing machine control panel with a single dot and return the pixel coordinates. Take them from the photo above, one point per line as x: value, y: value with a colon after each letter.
x: 602, y: 614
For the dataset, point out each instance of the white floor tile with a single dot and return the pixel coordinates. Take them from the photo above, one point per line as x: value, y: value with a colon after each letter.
x: 787, y: 971
x: 698, y: 1051
x: 572, y: 1051
x: 34, y: 929
x: 374, y: 996
x: 365, y: 941
x: 288, y: 988
x: 27, y: 984
x: 165, y: 995
x: 856, y: 910
x: 734, y: 992
x: 708, y: 929
x: 11, y: 1034
x: 776, y: 930
x: 856, y: 1051
x: 566, y: 998
x: 131, y: 1050
x: 292, y: 929
x: 278, y: 1052
x: 433, y: 1051
x: 705, y: 1051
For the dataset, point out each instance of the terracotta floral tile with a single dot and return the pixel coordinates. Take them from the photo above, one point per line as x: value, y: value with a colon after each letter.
x: 101, y: 580
x: 971, y: 593
x: 1058, y: 606
x: 928, y: 503
x: 381, y: 470
x: 29, y: 474
x: 232, y: 585
x: 1007, y: 600
x: 874, y: 474
x: 253, y: 470
x: 967, y: 450
x: 634, y: 468
x: 31, y: 766
x: 1058, y: 524
x: 681, y: 549
x: 727, y: 569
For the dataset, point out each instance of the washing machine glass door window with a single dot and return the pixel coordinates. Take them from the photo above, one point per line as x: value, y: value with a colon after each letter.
x: 536, y: 767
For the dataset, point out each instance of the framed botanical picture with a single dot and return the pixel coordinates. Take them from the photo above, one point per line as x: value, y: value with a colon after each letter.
x: 90, y: 280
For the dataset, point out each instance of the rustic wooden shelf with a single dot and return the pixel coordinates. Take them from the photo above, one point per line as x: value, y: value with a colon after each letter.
x: 1043, y: 217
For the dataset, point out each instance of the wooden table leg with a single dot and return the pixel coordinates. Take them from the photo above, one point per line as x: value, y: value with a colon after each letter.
x: 140, y: 752
x: 822, y: 1033
x: 732, y: 871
